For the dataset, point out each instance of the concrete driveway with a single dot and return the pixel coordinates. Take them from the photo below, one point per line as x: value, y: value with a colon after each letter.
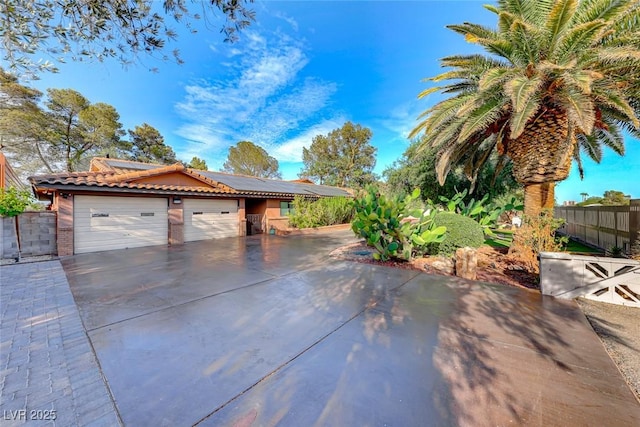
x: 270, y: 330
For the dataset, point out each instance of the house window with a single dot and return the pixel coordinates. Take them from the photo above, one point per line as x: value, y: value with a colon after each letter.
x: 286, y: 208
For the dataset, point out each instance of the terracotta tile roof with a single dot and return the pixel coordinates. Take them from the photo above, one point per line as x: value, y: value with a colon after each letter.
x: 116, y: 180
x: 116, y: 173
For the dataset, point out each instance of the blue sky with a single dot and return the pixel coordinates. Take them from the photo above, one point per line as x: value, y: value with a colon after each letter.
x: 303, y: 69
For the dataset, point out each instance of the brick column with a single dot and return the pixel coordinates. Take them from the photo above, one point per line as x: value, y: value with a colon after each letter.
x: 65, y: 225
x: 176, y: 222
x: 242, y: 218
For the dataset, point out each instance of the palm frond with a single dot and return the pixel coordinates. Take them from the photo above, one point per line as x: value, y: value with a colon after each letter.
x: 519, y: 119
x: 594, y: 10
x: 617, y: 54
x: 616, y: 100
x: 501, y: 48
x: 505, y: 20
x: 628, y: 128
x: 559, y: 16
x: 523, y: 38
x: 589, y: 144
x: 493, y: 77
x: 521, y: 89
x: 581, y: 79
x: 440, y: 113
x: 469, y: 106
x: 475, y: 161
x: 480, y: 119
x: 580, y: 37
x: 471, y: 62
x: 447, y: 134
x: 579, y: 108
x: 578, y: 159
x: 491, y: 8
x: 429, y: 91
x: 611, y: 138
x: 473, y: 32
x: 627, y: 19
x: 537, y: 11
x: 513, y: 6
x: 451, y: 75
x: 460, y: 87
x: 447, y: 157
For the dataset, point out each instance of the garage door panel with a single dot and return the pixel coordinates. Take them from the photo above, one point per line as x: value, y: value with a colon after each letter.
x: 106, y: 223
x: 210, y: 219
x: 114, y: 221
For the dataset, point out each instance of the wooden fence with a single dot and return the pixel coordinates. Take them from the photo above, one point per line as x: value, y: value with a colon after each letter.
x: 603, y: 226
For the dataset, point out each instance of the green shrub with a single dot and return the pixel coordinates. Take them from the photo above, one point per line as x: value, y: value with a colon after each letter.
x: 484, y: 212
x: 13, y: 201
x: 537, y: 234
x: 635, y: 248
x: 462, y: 231
x: 318, y: 213
x: 391, y: 228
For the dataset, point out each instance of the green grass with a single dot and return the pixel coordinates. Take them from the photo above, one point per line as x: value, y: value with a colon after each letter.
x: 498, y: 242
x: 504, y: 238
x: 574, y: 246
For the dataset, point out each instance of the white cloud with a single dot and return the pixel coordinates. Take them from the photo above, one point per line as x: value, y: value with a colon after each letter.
x: 262, y: 98
x: 291, y: 150
x: 289, y: 20
x: 402, y: 118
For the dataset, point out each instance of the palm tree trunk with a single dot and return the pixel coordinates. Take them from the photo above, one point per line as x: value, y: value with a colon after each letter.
x: 538, y: 197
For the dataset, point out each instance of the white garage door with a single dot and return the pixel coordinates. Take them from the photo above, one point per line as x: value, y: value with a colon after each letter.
x: 102, y: 223
x: 210, y: 219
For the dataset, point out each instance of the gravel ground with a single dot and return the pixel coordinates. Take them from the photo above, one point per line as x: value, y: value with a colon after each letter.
x: 618, y: 327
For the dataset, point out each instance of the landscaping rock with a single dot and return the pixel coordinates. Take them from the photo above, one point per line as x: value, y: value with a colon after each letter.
x: 439, y: 264
x: 467, y: 263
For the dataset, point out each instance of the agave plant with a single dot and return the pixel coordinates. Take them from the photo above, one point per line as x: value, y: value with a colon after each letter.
x: 561, y: 78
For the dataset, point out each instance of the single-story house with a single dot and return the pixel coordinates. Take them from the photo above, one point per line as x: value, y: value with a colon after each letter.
x: 121, y: 204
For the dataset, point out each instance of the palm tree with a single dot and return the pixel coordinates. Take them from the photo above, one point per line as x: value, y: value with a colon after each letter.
x: 584, y: 196
x: 561, y: 79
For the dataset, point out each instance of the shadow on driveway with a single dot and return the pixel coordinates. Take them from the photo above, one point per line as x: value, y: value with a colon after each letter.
x: 270, y: 330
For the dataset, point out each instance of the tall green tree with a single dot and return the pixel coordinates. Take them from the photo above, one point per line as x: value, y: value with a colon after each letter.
x: 81, y: 30
x: 615, y: 198
x: 561, y: 79
x: 246, y: 158
x: 78, y: 128
x: 609, y: 198
x: 416, y: 169
x: 344, y: 157
x: 147, y: 145
x: 23, y: 126
x: 198, y: 163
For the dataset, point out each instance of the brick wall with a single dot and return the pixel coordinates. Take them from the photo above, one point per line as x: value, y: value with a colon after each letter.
x: 176, y: 222
x: 242, y: 218
x: 37, y: 234
x: 65, y: 225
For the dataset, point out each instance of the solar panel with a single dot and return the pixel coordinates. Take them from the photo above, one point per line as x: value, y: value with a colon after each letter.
x: 131, y: 165
x: 247, y: 183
